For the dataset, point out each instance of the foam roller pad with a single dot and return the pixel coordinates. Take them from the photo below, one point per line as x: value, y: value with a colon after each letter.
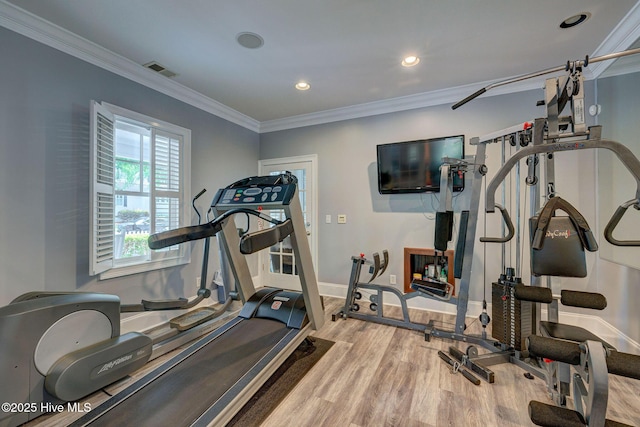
x: 583, y: 299
x: 624, y: 364
x: 558, y: 350
x: 554, y: 416
x: 533, y: 293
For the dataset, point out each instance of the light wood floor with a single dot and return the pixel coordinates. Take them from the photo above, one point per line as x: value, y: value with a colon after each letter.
x: 377, y: 375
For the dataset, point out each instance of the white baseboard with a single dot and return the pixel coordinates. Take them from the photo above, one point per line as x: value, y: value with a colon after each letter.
x: 592, y: 323
x: 340, y: 291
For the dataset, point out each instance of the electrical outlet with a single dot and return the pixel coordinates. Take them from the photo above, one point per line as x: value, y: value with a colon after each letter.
x: 327, y: 219
x: 342, y: 218
x: 197, y: 282
x: 392, y: 279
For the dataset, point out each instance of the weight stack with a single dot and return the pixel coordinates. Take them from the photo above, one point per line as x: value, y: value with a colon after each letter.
x: 512, y: 320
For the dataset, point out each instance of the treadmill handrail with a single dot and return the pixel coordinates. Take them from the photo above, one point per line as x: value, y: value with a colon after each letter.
x: 624, y: 154
x: 256, y: 241
x: 196, y: 232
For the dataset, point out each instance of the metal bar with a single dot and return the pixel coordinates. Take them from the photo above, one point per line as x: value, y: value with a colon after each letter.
x: 625, y: 155
x: 474, y: 207
x: 490, y: 137
x: 504, y: 203
x: 564, y: 67
x: 304, y: 263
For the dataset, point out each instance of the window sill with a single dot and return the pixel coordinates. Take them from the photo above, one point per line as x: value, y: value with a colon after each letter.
x: 144, y: 267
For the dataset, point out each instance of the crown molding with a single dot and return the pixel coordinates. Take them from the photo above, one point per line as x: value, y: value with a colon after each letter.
x: 625, y: 34
x: 393, y: 105
x: 38, y: 29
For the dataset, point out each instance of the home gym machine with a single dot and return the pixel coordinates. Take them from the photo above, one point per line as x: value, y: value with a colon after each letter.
x: 566, y: 345
x: 207, y: 383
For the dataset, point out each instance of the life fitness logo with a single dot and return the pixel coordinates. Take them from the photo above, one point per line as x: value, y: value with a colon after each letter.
x: 558, y: 233
x: 277, y: 303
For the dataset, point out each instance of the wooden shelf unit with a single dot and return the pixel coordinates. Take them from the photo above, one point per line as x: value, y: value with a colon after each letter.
x: 416, y: 258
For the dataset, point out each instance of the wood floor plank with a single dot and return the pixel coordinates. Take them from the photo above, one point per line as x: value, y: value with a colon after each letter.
x: 377, y: 375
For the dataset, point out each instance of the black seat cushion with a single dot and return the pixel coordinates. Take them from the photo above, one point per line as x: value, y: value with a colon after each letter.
x: 570, y: 333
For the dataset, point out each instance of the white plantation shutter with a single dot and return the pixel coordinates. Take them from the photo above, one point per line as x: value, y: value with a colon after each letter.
x: 169, y: 192
x: 167, y: 163
x: 102, y: 200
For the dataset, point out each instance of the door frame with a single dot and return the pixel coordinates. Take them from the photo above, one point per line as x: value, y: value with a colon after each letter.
x: 313, y: 159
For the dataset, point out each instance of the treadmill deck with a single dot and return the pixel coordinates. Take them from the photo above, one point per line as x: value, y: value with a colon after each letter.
x: 184, y: 392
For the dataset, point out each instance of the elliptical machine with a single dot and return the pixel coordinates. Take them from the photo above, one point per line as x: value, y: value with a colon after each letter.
x: 61, y: 346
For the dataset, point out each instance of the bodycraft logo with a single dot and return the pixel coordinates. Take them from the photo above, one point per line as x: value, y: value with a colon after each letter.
x: 558, y: 233
x: 114, y: 363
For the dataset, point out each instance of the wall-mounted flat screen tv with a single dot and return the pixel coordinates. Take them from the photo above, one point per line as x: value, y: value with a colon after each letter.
x: 414, y: 166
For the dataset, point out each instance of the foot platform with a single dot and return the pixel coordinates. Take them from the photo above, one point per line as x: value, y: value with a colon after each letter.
x: 192, y: 318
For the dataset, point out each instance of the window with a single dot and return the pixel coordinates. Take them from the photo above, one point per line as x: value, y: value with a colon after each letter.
x: 139, y: 186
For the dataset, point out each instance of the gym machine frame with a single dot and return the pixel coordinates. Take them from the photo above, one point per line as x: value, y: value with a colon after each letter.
x: 547, y: 136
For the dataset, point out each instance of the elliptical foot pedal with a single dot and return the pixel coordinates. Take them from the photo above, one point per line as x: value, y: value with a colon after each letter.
x: 168, y: 304
x: 193, y: 318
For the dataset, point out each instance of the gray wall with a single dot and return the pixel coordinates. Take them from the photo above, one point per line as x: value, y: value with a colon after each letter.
x: 620, y: 100
x: 347, y: 184
x: 44, y: 170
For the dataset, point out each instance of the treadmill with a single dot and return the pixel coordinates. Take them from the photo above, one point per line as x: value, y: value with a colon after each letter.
x: 211, y: 380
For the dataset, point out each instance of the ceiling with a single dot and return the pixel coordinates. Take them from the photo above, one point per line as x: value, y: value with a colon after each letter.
x: 349, y: 51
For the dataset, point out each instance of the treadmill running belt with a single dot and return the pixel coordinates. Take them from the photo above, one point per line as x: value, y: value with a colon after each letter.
x: 183, y: 393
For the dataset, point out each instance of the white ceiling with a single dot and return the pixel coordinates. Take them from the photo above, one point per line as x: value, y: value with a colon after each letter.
x: 348, y: 50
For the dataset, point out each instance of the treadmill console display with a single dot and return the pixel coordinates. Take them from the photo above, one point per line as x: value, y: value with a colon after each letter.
x: 258, y: 190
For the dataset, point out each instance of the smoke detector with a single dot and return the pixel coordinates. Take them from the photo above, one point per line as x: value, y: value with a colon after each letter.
x: 160, y: 69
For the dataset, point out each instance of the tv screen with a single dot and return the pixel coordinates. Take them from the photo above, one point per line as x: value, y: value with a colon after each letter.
x: 414, y: 166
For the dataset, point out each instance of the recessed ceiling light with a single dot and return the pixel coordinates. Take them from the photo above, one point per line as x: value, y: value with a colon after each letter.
x: 250, y: 40
x: 302, y: 85
x: 574, y: 20
x: 410, y: 61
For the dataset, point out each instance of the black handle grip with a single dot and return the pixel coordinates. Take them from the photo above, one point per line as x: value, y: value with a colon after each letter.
x: 613, y: 222
x: 183, y: 234
x: 536, y: 243
x: 254, y: 242
x: 468, y: 98
x: 591, y: 244
x: 510, y: 229
x: 199, y: 194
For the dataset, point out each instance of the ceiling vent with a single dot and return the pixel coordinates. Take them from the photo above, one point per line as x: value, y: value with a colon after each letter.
x: 161, y: 69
